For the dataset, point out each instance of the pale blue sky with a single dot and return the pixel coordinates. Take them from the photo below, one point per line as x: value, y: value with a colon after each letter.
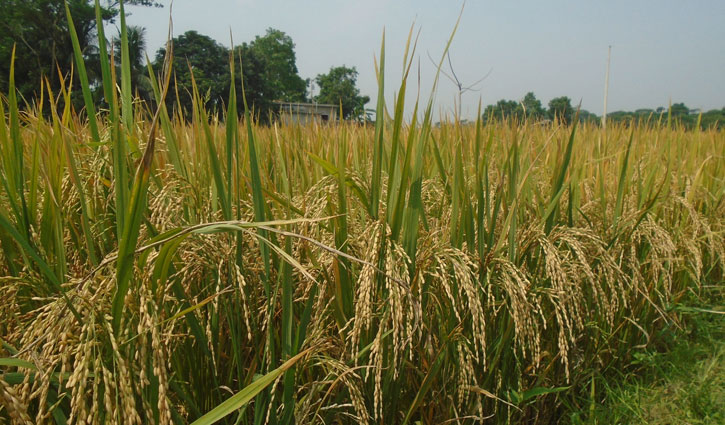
x: 661, y: 50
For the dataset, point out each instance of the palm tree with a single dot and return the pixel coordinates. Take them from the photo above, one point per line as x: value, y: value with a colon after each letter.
x: 136, y: 54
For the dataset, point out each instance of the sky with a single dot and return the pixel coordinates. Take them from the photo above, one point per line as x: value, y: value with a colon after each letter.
x: 662, y: 50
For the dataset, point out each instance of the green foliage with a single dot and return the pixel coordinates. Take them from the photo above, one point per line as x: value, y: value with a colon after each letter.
x: 503, y: 110
x: 529, y: 108
x: 240, y: 399
x: 210, y: 65
x: 252, y: 72
x: 39, y: 29
x: 560, y: 109
x: 338, y: 87
x: 276, y: 52
x: 714, y: 118
x: 588, y: 117
x: 679, y: 113
x: 533, y: 106
x: 140, y: 83
x: 679, y: 110
x: 682, y: 381
x: 267, y: 66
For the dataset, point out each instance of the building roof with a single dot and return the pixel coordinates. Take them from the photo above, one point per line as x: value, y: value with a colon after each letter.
x: 319, y: 105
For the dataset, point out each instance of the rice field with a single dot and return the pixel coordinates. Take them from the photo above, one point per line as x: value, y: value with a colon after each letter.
x: 165, y: 269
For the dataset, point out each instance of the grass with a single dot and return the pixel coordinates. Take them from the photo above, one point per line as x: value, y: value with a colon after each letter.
x: 166, y: 269
x: 682, y: 381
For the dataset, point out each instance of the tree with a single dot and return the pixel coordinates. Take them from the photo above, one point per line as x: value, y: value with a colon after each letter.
x: 681, y: 114
x: 713, y: 119
x: 209, y: 62
x: 588, y: 117
x: 532, y: 105
x: 267, y: 63
x: 136, y: 51
x: 276, y: 53
x: 338, y: 87
x: 679, y: 110
x: 503, y: 110
x: 39, y: 30
x: 528, y: 108
x: 255, y: 84
x: 560, y: 108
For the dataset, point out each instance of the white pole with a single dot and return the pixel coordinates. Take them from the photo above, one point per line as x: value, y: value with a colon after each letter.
x: 606, y: 90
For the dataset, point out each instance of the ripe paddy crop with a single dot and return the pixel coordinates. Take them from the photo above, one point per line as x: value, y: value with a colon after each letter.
x: 160, y: 269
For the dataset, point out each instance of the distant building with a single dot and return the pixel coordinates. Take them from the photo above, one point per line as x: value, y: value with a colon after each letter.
x: 305, y: 113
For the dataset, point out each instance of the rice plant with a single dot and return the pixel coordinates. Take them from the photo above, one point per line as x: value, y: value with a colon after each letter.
x: 165, y: 269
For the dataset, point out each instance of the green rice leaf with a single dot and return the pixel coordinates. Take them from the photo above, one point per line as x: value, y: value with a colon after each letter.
x: 378, y: 140
x: 85, y: 87
x: 240, y: 399
x: 13, y: 362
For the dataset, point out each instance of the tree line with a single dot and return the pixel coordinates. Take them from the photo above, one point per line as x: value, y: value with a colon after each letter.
x: 678, y: 112
x: 36, y: 32
x: 560, y: 109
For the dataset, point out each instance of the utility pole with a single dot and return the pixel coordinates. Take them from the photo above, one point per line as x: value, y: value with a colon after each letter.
x: 606, y: 90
